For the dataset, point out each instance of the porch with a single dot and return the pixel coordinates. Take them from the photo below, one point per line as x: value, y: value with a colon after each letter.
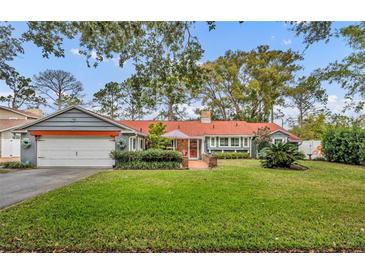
x: 188, y: 146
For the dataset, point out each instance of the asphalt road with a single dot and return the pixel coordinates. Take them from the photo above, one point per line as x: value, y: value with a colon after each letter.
x: 19, y: 185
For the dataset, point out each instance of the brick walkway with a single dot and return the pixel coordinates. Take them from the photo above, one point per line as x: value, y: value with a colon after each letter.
x: 198, y: 164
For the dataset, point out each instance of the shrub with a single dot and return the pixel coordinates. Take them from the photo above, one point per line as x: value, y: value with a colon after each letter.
x: 344, y: 145
x: 280, y: 155
x: 231, y: 155
x: 147, y: 159
x: 150, y: 155
x: 16, y: 165
x: 148, y: 165
x: 155, y: 138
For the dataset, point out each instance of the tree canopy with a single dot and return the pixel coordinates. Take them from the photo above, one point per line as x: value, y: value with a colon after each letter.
x: 248, y: 85
x: 59, y: 88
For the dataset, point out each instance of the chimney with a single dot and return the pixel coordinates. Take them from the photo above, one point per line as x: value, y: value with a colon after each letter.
x: 205, y: 117
x: 36, y: 112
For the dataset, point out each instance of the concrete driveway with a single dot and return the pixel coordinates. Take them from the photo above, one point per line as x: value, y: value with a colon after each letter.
x: 19, y: 185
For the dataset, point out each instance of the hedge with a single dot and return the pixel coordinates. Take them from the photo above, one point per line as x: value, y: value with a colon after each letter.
x: 344, y: 145
x: 147, y: 159
x: 16, y: 165
x: 148, y: 165
x: 231, y: 155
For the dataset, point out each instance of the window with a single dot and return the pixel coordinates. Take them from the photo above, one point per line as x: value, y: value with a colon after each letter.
x: 235, y: 142
x: 245, y: 142
x: 132, y: 143
x: 172, y: 145
x: 223, y: 142
x: 141, y: 146
x: 212, y: 141
x: 277, y: 141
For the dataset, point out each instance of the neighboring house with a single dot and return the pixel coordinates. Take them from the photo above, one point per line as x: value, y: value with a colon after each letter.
x: 79, y: 137
x: 9, y: 120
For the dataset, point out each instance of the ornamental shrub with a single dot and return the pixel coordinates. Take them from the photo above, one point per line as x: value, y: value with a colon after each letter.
x: 231, y: 155
x: 148, y: 165
x: 16, y: 165
x: 147, y: 159
x: 344, y: 145
x: 280, y: 155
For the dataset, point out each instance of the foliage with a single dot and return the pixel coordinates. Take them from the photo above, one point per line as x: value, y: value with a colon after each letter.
x: 313, y: 31
x: 121, y: 100
x: 133, y: 40
x: 22, y: 91
x: 16, y: 165
x: 108, y: 99
x: 147, y: 159
x: 313, y: 127
x: 348, y: 72
x: 149, y: 155
x: 176, y: 210
x: 10, y: 47
x: 231, y: 155
x: 135, y: 102
x: 280, y: 155
x: 148, y: 165
x: 247, y: 85
x: 171, y: 78
x: 164, y: 53
x: 59, y: 88
x: 155, y: 140
x: 262, y: 137
x: 305, y: 94
x: 344, y: 145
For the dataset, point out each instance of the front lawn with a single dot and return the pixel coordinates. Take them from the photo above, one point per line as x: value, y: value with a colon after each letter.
x: 237, y: 207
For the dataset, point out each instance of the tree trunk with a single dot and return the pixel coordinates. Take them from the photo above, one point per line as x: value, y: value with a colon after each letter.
x: 170, y: 112
x: 300, y: 118
x: 59, y: 100
x: 170, y: 109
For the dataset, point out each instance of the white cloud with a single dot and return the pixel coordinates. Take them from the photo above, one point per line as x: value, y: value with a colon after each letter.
x: 287, y: 42
x: 75, y: 51
x: 189, y: 109
x: 273, y: 37
x: 332, y: 99
x: 93, y: 55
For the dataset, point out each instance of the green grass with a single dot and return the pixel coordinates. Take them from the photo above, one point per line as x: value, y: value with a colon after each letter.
x: 236, y: 207
x: 3, y: 171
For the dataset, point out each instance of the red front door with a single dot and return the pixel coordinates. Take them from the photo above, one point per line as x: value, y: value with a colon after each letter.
x: 193, y: 149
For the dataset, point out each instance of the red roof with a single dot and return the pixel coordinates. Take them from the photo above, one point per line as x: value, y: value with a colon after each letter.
x: 198, y: 129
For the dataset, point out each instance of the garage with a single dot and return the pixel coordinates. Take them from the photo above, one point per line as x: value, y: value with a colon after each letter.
x: 73, y: 137
x: 68, y: 151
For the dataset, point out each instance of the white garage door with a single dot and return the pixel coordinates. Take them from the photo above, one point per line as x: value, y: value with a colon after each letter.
x: 75, y: 151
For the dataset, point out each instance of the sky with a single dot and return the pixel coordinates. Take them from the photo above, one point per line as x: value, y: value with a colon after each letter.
x: 226, y: 36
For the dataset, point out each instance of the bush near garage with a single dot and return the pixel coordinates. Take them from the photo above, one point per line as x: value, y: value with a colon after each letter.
x: 344, y: 145
x: 147, y: 159
x: 231, y: 155
x: 16, y: 165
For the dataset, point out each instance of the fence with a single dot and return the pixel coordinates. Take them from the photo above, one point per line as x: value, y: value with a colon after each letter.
x: 311, y: 148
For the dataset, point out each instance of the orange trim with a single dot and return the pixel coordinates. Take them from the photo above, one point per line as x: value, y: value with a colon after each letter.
x: 73, y: 133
